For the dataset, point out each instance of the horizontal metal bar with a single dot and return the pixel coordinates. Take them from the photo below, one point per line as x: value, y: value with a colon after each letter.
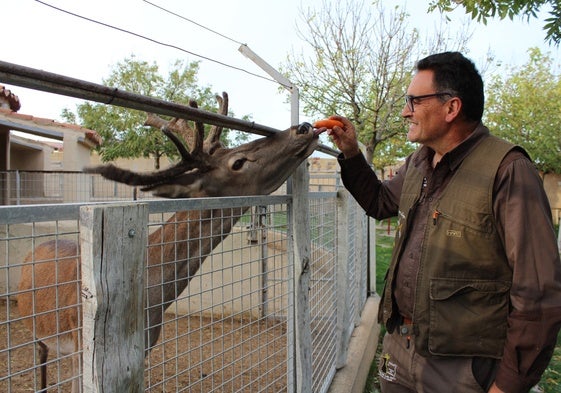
x: 18, y: 214
x: 322, y: 195
x: 173, y: 205
x: 59, y: 84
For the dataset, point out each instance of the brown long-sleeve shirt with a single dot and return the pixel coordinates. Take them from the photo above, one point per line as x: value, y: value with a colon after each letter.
x: 523, y: 216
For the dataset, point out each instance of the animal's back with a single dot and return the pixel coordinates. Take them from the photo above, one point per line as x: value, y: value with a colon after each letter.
x: 49, y: 288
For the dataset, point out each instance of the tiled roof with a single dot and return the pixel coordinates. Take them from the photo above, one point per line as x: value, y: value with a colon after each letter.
x: 89, y: 135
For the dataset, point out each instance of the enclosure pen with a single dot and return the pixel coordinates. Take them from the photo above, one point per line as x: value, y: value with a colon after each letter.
x: 232, y: 329
x: 271, y: 308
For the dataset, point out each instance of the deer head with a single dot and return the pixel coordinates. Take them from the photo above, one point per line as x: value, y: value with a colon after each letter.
x: 208, y: 169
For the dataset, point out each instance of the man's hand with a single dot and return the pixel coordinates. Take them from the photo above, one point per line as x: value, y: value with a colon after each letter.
x: 345, y: 137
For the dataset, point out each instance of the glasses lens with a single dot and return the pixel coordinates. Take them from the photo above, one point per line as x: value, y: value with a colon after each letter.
x: 410, y: 99
x: 409, y: 103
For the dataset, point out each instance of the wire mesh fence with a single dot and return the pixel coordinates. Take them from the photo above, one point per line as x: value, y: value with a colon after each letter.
x: 323, y: 291
x: 20, y: 187
x: 226, y: 321
x: 228, y: 329
x: 18, y: 352
x: 46, y: 187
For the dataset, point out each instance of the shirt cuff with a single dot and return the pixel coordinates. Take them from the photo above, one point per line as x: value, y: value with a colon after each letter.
x: 356, y: 160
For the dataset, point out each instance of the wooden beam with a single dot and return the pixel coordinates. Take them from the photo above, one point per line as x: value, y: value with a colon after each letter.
x: 113, y: 248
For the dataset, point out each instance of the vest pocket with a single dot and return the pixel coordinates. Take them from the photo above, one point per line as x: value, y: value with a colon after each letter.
x: 468, y: 317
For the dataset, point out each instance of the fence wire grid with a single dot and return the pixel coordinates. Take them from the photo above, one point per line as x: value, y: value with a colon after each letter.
x: 227, y: 328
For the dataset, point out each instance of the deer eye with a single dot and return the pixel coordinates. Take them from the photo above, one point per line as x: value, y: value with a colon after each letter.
x: 238, y: 164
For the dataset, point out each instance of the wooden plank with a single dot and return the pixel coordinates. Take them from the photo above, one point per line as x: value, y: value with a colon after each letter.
x: 113, y: 246
x: 343, y: 301
x: 302, y: 275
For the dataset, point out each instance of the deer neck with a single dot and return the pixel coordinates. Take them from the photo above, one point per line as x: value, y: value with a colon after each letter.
x: 178, y: 249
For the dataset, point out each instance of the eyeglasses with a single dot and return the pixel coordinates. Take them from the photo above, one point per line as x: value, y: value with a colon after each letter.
x: 411, y: 100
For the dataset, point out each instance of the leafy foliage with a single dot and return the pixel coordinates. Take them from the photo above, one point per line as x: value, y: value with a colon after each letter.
x: 523, y: 107
x: 123, y: 131
x: 360, y: 65
x: 484, y: 9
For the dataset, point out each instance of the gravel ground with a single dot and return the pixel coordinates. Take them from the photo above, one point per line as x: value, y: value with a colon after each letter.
x: 194, y: 354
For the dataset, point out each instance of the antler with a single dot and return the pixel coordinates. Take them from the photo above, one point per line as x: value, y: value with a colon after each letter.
x: 215, y: 131
x: 193, y: 138
x: 178, y: 126
x: 194, y: 161
x: 199, y: 134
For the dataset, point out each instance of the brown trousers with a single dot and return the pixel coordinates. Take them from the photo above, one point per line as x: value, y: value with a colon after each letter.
x: 402, y: 370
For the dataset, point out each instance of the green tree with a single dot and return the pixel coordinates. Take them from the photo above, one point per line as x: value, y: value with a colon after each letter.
x: 360, y: 65
x: 123, y: 131
x: 524, y: 107
x: 484, y: 9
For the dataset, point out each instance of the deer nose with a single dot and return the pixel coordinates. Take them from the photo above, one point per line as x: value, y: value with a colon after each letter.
x: 304, y: 128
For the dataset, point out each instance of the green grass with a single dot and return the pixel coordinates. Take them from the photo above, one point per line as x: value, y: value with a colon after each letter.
x: 551, y: 379
x: 384, y: 246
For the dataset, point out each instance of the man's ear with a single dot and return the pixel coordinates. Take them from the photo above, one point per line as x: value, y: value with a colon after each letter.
x: 453, y: 106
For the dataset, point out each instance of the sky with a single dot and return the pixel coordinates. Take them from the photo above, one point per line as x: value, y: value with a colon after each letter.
x: 39, y: 36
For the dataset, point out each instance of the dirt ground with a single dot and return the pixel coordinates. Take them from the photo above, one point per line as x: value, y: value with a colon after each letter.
x: 194, y: 354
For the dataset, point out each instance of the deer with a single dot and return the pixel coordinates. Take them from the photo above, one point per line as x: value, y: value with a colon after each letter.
x: 48, y: 299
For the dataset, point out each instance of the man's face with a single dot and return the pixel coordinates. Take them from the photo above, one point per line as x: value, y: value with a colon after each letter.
x: 427, y: 122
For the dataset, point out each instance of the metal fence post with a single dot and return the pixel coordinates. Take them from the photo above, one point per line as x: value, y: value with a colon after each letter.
x: 362, y: 261
x: 18, y: 188
x: 113, y: 247
x: 258, y: 234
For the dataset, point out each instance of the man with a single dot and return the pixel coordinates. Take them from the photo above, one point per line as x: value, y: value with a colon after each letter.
x: 472, y: 300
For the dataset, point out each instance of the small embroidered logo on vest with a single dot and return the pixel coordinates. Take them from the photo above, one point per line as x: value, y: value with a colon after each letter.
x: 453, y: 233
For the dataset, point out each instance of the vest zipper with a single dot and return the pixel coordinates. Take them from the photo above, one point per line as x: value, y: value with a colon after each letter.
x: 423, y: 191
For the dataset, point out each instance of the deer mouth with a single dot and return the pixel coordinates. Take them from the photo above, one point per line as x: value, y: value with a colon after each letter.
x: 306, y: 129
x: 318, y: 132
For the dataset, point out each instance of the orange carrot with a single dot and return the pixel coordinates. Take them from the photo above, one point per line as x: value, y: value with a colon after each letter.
x: 328, y: 123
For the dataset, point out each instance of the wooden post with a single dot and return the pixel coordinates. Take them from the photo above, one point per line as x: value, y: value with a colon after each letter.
x: 302, y: 275
x: 344, y: 324
x: 113, y: 248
